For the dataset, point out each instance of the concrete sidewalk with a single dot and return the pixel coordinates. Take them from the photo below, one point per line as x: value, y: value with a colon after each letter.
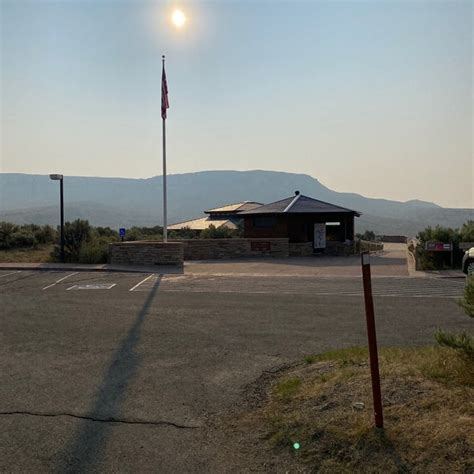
x: 394, y: 261
x: 83, y: 267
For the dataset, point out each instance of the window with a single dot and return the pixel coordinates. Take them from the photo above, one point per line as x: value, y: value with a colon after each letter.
x: 264, y: 222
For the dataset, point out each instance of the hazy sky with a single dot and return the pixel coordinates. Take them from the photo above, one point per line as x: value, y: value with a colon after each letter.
x: 369, y: 97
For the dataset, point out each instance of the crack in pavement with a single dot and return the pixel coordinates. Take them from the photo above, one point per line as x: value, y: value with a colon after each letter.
x: 101, y: 420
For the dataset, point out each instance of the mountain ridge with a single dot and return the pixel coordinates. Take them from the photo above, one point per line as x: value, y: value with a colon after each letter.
x: 138, y: 201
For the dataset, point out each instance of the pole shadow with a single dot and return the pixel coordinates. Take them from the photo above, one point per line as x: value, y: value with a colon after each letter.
x: 86, y: 449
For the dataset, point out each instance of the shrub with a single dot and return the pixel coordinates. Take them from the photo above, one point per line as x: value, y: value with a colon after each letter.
x: 367, y: 235
x: 22, y: 239
x: 75, y: 235
x: 95, y: 251
x: 440, y: 260
x: 467, y: 301
x: 144, y: 233
x: 184, y: 233
x: 6, y: 230
x: 45, y: 234
x: 462, y: 342
x: 213, y: 232
x: 105, y: 232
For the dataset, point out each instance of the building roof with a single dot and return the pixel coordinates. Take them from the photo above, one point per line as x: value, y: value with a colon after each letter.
x: 203, y: 223
x: 234, y: 208
x: 299, y: 204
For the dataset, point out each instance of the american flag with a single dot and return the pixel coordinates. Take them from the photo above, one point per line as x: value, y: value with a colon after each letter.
x: 164, y: 94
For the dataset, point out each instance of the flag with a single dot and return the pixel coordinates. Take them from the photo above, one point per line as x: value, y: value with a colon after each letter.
x: 164, y: 94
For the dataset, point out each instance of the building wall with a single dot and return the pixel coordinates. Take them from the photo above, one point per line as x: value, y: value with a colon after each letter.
x: 299, y: 228
x: 146, y: 253
x: 280, y: 230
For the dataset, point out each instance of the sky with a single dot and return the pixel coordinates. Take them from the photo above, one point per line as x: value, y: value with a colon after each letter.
x: 373, y: 97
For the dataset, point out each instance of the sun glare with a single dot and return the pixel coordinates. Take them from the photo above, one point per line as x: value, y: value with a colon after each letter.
x: 178, y: 18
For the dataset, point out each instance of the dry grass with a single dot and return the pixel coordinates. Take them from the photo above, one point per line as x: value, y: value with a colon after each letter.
x: 29, y: 255
x: 428, y: 397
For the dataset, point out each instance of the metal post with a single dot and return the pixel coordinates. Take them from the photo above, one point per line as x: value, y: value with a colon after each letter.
x: 372, y: 339
x: 61, y: 187
x: 165, y: 225
x: 165, y: 212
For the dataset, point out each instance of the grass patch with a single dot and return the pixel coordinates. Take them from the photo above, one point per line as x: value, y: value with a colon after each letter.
x: 287, y: 388
x: 428, y: 398
x: 38, y: 254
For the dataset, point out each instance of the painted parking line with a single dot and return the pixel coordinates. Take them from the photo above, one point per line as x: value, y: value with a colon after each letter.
x: 10, y: 273
x: 143, y: 281
x: 92, y: 286
x: 60, y: 280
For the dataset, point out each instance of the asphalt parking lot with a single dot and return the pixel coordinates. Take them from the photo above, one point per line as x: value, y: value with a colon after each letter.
x: 126, y: 372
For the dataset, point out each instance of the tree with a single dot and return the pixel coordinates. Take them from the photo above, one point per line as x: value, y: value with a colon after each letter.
x: 213, y: 232
x: 367, y: 235
x: 466, y: 233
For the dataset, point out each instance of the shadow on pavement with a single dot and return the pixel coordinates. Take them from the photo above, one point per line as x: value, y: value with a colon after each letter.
x: 84, y: 452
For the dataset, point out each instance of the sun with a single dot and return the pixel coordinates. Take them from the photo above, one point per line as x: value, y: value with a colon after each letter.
x: 178, y: 18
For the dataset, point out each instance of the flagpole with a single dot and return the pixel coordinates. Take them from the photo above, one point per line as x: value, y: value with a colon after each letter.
x: 165, y: 224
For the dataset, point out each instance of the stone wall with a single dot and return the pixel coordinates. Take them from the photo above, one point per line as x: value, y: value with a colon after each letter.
x: 304, y: 249
x: 339, y: 248
x: 400, y: 239
x: 211, y: 249
x: 146, y: 253
x: 369, y: 246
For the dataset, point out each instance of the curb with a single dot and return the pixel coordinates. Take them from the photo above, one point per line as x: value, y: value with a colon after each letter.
x: 93, y: 269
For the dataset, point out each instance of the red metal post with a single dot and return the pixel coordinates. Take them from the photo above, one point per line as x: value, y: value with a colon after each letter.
x: 372, y: 338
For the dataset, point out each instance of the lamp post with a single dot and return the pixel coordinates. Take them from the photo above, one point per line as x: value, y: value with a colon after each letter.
x: 59, y: 177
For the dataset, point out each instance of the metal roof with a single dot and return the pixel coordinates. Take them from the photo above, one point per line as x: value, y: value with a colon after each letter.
x: 234, y: 208
x: 203, y: 223
x: 299, y: 204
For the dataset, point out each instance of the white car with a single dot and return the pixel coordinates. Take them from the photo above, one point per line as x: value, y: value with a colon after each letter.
x: 468, y: 262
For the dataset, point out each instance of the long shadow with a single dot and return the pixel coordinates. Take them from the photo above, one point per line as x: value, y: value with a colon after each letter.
x: 85, y: 451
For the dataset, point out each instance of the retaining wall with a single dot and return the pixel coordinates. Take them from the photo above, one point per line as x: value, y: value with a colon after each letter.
x: 146, y: 253
x: 400, y: 239
x: 304, y: 249
x: 340, y: 248
x: 211, y: 249
x: 369, y: 246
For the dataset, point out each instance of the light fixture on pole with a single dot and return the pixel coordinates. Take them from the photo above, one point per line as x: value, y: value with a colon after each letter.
x: 60, y: 178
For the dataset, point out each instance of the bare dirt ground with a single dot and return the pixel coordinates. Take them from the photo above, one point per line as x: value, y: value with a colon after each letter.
x: 316, y: 415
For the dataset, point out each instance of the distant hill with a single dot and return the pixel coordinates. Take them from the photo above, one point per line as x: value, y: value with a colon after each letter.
x: 118, y: 202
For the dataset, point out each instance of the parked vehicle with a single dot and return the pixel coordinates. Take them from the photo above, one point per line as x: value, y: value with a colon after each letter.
x: 468, y: 262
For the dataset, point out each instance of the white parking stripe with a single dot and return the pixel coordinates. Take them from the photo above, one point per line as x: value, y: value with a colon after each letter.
x: 11, y: 273
x: 143, y: 281
x: 60, y: 280
x: 92, y: 286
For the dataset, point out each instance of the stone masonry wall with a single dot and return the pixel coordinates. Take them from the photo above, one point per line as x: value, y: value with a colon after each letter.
x: 210, y: 249
x: 146, y: 253
x: 304, y: 249
x: 339, y: 248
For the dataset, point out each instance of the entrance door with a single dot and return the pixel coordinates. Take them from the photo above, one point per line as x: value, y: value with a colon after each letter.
x: 319, y: 241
